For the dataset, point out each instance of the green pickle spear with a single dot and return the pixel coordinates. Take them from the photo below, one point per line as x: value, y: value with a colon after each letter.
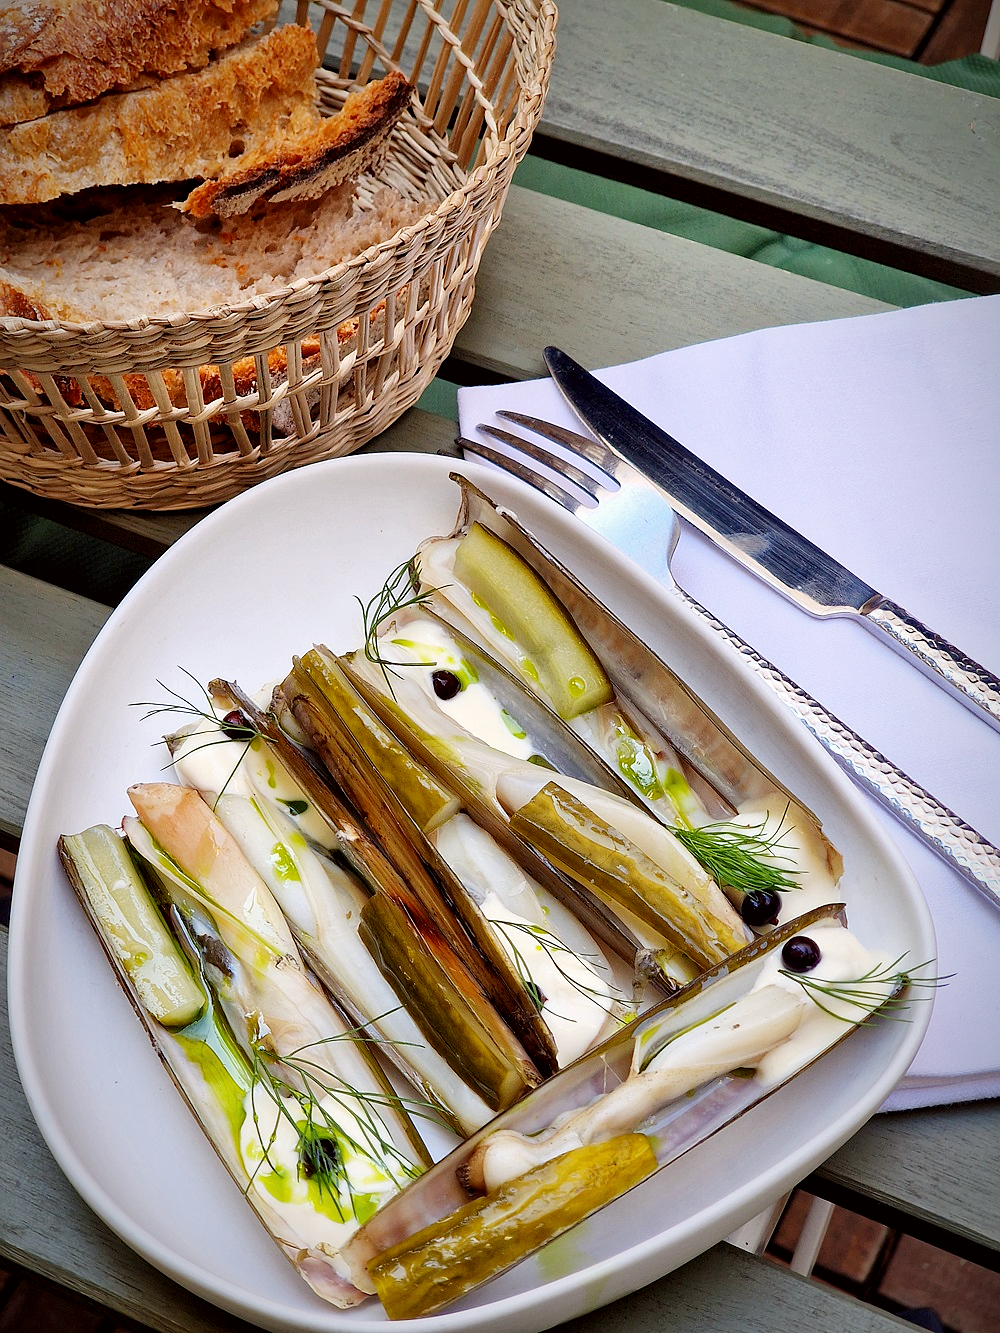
x: 334, y: 702
x: 98, y: 863
x: 601, y: 858
x: 490, y: 1234
x: 527, y: 610
x: 445, y: 1000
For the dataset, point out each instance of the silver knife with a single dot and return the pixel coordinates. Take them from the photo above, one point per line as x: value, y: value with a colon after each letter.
x: 764, y: 543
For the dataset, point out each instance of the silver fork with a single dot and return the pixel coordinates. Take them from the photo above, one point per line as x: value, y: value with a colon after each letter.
x: 631, y: 511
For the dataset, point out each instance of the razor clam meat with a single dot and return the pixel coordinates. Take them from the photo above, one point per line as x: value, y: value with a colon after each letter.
x: 253, y: 796
x: 647, y: 1095
x: 496, y: 785
x: 314, y: 1158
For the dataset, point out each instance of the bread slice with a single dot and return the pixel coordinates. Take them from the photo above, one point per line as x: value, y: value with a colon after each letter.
x: 186, y: 126
x: 340, y: 148
x: 126, y: 254
x: 136, y: 257
x: 59, y: 52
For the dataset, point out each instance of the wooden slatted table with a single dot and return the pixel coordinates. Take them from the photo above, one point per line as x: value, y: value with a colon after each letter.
x: 886, y: 159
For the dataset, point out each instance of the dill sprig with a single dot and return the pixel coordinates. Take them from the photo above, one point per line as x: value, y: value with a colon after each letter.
x: 323, y: 1094
x: 553, y: 947
x: 178, y: 702
x: 224, y: 733
x: 332, y: 1120
x: 882, y: 989
x: 743, y: 859
x: 397, y: 594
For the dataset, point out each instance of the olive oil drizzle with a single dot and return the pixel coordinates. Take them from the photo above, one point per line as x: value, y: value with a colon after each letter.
x: 321, y: 1140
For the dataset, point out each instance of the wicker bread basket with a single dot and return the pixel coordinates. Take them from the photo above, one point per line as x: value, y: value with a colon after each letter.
x: 356, y: 344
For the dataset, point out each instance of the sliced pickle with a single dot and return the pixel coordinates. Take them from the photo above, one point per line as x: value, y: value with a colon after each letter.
x: 445, y: 1260
x: 517, y: 598
x: 334, y: 701
x: 452, y: 1016
x: 682, y: 1072
x: 600, y: 858
x: 101, y: 870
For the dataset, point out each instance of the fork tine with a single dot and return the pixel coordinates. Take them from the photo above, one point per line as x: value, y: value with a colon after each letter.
x: 585, y: 445
x: 519, y: 470
x: 539, y: 454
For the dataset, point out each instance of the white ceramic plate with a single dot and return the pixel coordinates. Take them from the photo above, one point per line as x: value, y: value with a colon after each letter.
x: 264, y: 577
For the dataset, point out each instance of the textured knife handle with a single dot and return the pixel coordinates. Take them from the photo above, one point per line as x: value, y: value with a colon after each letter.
x: 972, y: 684
x: 944, y: 832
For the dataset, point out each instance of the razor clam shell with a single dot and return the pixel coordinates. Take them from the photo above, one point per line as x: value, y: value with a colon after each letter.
x: 371, y: 863
x: 353, y: 981
x: 440, y: 1191
x: 188, y: 1078
x: 636, y: 672
x: 417, y: 857
x: 558, y: 742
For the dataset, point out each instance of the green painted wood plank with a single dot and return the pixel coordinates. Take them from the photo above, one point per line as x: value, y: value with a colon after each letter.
x: 44, y: 633
x: 667, y: 292
x: 611, y: 291
x: 879, y: 159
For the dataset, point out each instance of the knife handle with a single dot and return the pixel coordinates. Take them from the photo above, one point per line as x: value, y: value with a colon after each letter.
x: 969, y: 682
x: 965, y: 850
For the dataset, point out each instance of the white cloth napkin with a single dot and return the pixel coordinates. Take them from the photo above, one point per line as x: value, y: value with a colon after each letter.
x: 879, y: 438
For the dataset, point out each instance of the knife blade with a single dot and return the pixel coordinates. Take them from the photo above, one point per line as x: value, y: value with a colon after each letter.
x: 764, y: 543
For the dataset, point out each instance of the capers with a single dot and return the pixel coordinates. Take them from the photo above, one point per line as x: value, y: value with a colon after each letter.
x: 236, y: 725
x: 760, y: 907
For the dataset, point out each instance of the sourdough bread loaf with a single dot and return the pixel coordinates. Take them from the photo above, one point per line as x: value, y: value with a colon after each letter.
x: 183, y: 127
x: 55, y: 53
x: 99, y: 222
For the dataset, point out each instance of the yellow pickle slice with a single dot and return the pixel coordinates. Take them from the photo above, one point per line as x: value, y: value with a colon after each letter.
x: 488, y: 1235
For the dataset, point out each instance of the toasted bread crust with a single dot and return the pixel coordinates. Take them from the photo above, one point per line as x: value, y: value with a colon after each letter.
x: 186, y: 126
x: 22, y: 97
x: 339, y: 148
x: 16, y: 304
x: 80, y: 49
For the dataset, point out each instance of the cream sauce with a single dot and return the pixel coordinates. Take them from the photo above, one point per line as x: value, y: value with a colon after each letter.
x: 576, y: 1000
x: 800, y: 851
x: 845, y: 960
x: 426, y: 644
x: 322, y: 1218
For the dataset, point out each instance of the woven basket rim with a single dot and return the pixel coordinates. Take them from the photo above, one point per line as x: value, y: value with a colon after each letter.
x: 60, y: 329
